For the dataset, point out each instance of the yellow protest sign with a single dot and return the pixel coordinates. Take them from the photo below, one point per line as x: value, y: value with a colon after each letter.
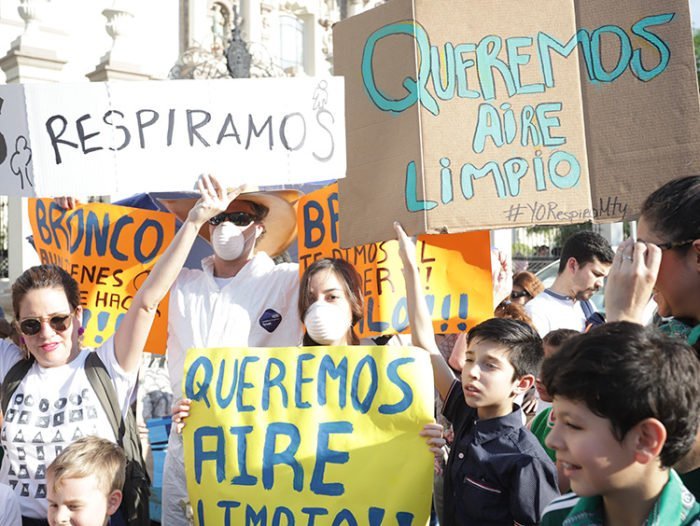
x: 312, y: 435
x: 109, y: 250
x: 455, y: 270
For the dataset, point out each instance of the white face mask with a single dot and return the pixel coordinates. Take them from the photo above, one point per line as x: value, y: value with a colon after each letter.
x: 228, y: 241
x: 327, y: 323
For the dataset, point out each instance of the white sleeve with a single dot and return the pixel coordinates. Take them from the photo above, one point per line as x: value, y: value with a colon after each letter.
x: 9, y: 507
x: 10, y: 354
x: 124, y: 383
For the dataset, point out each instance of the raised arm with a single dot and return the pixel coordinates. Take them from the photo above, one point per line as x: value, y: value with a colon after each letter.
x: 421, y: 323
x: 130, y: 338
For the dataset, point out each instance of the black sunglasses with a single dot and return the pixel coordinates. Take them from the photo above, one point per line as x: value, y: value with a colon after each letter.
x: 237, y: 218
x: 675, y: 244
x: 515, y: 295
x: 32, y: 326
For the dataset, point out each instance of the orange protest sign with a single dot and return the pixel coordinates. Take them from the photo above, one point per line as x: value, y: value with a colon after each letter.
x: 109, y: 250
x: 455, y: 270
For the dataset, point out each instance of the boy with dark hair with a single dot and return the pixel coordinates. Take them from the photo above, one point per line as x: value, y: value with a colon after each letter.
x: 497, y: 473
x: 626, y: 405
x: 584, y: 263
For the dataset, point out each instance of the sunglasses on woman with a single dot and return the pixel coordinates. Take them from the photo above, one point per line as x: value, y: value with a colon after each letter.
x: 522, y: 294
x: 58, y: 322
x: 237, y: 218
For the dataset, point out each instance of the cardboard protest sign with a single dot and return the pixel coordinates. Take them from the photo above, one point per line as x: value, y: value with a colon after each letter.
x: 455, y: 270
x: 327, y: 435
x: 121, y: 137
x: 109, y: 250
x: 489, y: 115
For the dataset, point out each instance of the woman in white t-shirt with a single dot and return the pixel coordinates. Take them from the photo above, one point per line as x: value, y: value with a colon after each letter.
x: 55, y: 404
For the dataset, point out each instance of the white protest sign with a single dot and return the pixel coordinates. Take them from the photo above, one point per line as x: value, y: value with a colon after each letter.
x: 104, y: 138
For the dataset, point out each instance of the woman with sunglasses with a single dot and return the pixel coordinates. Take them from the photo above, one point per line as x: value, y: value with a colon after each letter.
x: 54, y: 404
x: 665, y: 260
x: 525, y: 287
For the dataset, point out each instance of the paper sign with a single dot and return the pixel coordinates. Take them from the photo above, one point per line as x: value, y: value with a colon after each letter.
x: 120, y: 137
x: 308, y: 436
x: 455, y: 270
x: 109, y: 250
x: 489, y: 115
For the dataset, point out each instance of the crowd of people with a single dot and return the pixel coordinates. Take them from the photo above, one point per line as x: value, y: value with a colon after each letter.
x: 557, y: 414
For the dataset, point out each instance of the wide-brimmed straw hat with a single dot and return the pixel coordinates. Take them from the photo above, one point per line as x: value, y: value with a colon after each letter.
x: 280, y: 222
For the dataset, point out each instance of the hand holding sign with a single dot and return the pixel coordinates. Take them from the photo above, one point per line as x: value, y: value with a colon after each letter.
x: 181, y: 410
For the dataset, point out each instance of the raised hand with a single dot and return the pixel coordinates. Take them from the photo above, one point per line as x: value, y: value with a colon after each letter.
x: 631, y: 280
x: 407, y: 247
x: 214, y: 199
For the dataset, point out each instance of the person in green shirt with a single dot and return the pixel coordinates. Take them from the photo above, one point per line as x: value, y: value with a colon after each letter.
x: 542, y: 424
x: 625, y: 399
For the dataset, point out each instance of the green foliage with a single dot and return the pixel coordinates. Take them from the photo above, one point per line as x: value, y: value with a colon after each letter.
x: 559, y: 234
x: 522, y: 249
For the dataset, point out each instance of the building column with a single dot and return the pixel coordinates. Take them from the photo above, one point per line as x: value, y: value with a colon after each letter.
x: 31, y: 58
x: 251, y: 23
x: 120, y: 62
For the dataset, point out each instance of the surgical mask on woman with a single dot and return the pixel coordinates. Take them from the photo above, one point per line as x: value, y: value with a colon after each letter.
x: 228, y: 241
x: 326, y: 322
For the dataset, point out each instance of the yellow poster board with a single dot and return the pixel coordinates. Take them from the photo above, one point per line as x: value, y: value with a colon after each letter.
x: 109, y: 250
x: 311, y: 435
x: 455, y: 270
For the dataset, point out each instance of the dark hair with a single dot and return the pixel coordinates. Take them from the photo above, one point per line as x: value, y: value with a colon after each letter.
x: 585, y: 247
x: 512, y: 311
x: 528, y: 282
x: 44, y: 277
x: 260, y: 210
x: 672, y: 210
x: 352, y: 284
x: 557, y: 337
x: 625, y: 373
x: 524, y: 345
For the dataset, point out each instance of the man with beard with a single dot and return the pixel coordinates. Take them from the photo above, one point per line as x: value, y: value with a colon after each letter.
x: 585, y: 261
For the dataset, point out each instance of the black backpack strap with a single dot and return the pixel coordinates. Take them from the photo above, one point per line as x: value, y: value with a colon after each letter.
x: 101, y: 383
x: 135, y: 507
x: 12, y: 380
x: 124, y: 429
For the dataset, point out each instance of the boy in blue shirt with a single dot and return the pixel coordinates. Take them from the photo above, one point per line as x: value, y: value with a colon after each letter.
x: 626, y: 405
x: 497, y: 472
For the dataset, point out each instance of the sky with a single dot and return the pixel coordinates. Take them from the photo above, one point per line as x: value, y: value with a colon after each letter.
x: 695, y: 13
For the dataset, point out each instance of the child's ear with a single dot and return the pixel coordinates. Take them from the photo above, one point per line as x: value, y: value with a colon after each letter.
x: 114, y: 499
x: 524, y: 383
x: 650, y: 437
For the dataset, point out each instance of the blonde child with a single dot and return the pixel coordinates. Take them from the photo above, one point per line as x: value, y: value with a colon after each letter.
x: 85, y: 483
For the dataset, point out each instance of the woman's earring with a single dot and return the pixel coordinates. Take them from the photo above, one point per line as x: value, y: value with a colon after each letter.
x: 81, y: 331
